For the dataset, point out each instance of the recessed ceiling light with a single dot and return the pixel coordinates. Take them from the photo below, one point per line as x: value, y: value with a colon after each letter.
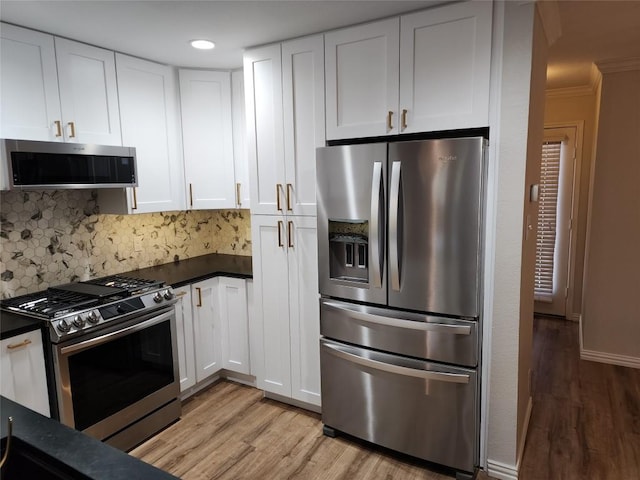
x: 202, y: 44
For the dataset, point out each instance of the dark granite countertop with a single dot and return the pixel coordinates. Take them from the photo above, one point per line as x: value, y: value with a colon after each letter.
x: 89, y: 457
x: 12, y: 325
x: 195, y: 269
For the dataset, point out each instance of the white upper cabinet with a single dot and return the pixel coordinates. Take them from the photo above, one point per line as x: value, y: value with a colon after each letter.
x: 285, y: 116
x: 29, y: 85
x: 149, y: 115
x: 445, y: 56
x: 362, y: 80
x: 88, y: 93
x: 240, y: 159
x: 424, y: 71
x: 207, y: 139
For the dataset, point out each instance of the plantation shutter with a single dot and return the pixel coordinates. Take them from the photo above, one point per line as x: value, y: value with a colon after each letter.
x: 547, y: 215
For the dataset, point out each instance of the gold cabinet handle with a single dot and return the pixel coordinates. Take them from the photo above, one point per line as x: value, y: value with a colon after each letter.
x: 23, y: 343
x: 72, y: 127
x: 199, y: 290
x: 181, y: 294
x: 389, y: 124
x: 278, y: 206
x: 280, y: 244
x: 403, y: 118
x: 290, y: 233
x: 135, y: 199
x: 58, y: 124
x: 191, y: 194
x: 289, y: 195
x: 238, y: 196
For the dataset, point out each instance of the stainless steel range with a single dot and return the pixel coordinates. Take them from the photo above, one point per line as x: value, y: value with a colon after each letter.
x: 113, y: 355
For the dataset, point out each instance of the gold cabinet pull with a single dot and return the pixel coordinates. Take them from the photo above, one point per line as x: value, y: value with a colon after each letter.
x: 72, y: 127
x: 23, y: 343
x: 135, y: 199
x: 181, y: 294
x: 191, y: 194
x: 278, y: 206
x: 289, y: 195
x: 58, y: 124
x: 199, y: 290
x: 403, y: 118
x: 290, y: 233
x: 280, y: 244
x: 389, y: 124
x: 238, y: 196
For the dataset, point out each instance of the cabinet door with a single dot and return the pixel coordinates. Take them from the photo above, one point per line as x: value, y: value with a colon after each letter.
x: 445, y: 56
x: 271, y: 304
x: 235, y: 323
x: 23, y: 377
x: 362, y: 80
x: 304, y: 313
x: 240, y: 159
x: 207, y: 328
x: 207, y: 136
x: 148, y: 112
x: 185, y: 340
x: 265, y: 140
x: 29, y: 85
x: 303, y: 107
x: 88, y: 93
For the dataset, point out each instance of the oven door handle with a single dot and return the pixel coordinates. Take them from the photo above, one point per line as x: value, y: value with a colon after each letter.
x: 117, y: 334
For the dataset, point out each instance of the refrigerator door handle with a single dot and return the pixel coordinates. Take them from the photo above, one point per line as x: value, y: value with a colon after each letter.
x: 399, y: 322
x: 394, y: 213
x: 376, y: 225
x: 395, y: 369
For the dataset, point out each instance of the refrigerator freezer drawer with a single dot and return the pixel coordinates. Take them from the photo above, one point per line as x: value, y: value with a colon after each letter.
x: 424, y: 336
x: 419, y: 408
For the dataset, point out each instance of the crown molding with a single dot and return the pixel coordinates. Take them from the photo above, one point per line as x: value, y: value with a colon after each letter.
x: 595, y: 77
x: 550, y: 15
x: 619, y: 65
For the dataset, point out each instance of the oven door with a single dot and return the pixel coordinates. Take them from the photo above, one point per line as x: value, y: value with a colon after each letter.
x: 113, y: 378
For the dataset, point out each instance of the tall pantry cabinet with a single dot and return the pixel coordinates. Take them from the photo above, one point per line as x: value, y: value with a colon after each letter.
x: 284, y: 91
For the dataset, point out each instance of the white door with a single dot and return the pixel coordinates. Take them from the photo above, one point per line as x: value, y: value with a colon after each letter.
x: 303, y: 107
x: 240, y: 159
x: 271, y: 303
x: 28, y: 85
x: 362, y: 65
x: 235, y: 324
x: 148, y: 112
x: 88, y: 93
x: 185, y: 339
x: 206, y: 328
x: 265, y: 143
x: 554, y: 230
x: 445, y: 55
x: 302, y: 245
x: 207, y: 136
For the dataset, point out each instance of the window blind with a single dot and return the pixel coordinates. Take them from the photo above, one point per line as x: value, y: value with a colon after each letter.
x: 547, y: 215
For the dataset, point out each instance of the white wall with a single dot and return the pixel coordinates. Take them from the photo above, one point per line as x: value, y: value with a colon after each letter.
x: 611, y: 306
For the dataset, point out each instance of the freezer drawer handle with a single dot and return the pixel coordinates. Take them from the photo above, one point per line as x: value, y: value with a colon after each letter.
x: 390, y: 368
x: 401, y: 323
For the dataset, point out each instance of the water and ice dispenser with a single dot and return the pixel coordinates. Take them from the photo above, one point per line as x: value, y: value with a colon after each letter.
x: 349, y: 250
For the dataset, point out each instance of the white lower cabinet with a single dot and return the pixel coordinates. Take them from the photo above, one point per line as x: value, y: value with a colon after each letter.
x: 24, y: 377
x: 212, y: 329
x: 285, y: 339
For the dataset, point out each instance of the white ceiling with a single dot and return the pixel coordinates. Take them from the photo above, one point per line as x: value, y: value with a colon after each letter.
x: 160, y: 30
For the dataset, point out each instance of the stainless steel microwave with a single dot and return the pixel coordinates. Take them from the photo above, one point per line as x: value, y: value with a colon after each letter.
x: 55, y: 165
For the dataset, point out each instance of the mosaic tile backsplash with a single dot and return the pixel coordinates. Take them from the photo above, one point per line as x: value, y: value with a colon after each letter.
x: 52, y: 237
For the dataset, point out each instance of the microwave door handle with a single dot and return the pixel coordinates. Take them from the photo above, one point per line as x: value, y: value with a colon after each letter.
x: 376, y: 225
x: 394, y: 210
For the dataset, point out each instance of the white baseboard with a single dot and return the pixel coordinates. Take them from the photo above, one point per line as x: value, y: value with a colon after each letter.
x: 525, y: 429
x: 605, y: 357
x: 501, y: 471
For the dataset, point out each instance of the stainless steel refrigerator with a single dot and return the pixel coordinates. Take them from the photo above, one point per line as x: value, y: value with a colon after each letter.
x: 400, y: 260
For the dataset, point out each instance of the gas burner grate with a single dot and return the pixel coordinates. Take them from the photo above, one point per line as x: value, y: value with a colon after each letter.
x: 131, y: 284
x: 49, y: 304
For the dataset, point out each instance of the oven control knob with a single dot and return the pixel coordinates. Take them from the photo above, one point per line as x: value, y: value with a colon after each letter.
x: 158, y: 297
x: 63, y: 326
x: 168, y: 295
x: 93, y: 318
x: 78, y: 321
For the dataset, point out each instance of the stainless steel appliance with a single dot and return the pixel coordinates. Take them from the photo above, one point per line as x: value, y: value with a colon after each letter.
x: 56, y: 165
x: 113, y: 353
x: 400, y: 258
